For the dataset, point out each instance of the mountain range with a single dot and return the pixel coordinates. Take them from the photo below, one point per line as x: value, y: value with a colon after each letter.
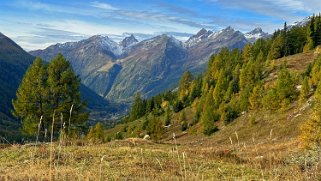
x: 111, y: 72
x: 116, y: 71
x: 14, y: 61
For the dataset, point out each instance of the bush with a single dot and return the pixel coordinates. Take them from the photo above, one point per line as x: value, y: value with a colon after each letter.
x: 119, y: 136
x: 229, y: 115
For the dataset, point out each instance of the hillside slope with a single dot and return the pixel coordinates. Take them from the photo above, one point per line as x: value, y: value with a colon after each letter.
x: 14, y: 61
x: 259, y: 124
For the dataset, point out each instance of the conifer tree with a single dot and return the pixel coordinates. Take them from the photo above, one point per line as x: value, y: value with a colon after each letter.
x: 183, y: 121
x: 255, y: 97
x: 247, y: 52
x: 277, y: 47
x: 305, y: 89
x: 184, y: 86
x: 64, y: 95
x: 96, y: 134
x: 317, y: 31
x: 271, y: 100
x: 32, y: 99
x: 285, y: 85
x: 48, y: 90
x: 310, y: 43
x: 285, y: 38
x: 207, y: 116
x: 167, y: 117
x: 311, y: 129
x: 138, y: 108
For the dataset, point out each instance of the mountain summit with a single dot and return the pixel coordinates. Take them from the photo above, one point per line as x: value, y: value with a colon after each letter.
x: 14, y: 62
x: 116, y: 71
x: 256, y: 34
x: 128, y: 41
x: 201, y: 35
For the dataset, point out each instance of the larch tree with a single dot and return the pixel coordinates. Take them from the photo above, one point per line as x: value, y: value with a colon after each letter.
x: 184, y: 86
x: 310, y: 136
x: 305, y: 90
x: 31, y: 104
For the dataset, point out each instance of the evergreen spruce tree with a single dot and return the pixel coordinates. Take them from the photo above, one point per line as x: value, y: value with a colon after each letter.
x: 167, y: 117
x: 64, y: 95
x: 183, y: 121
x: 317, y: 31
x: 138, y: 108
x: 285, y: 38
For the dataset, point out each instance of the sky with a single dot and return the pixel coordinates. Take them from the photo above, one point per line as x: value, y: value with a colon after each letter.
x: 36, y: 24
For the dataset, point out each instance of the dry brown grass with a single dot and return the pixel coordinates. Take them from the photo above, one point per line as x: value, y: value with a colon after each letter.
x: 137, y: 159
x: 266, y: 149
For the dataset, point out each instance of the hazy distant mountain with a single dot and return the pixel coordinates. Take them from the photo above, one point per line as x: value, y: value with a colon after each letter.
x: 199, y: 53
x: 93, y: 59
x: 14, y: 61
x: 116, y: 71
x: 301, y: 23
x: 256, y: 34
x: 200, y: 36
x: 151, y: 67
x: 128, y: 41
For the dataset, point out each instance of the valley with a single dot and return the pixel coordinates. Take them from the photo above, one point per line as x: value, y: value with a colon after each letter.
x: 160, y: 90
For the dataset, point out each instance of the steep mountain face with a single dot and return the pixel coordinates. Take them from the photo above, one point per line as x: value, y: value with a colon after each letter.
x: 14, y: 61
x: 128, y: 41
x: 201, y: 35
x: 93, y: 60
x: 116, y: 71
x: 151, y: 67
x: 199, y: 53
x: 256, y: 34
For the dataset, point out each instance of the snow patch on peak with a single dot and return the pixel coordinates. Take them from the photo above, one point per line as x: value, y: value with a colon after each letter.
x: 198, y: 37
x: 106, y: 43
x: 256, y: 34
x: 303, y: 22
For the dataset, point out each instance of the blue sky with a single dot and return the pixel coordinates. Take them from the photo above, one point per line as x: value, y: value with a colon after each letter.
x: 36, y: 24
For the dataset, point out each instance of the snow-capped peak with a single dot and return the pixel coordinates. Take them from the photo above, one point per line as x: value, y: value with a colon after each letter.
x: 106, y: 43
x: 303, y: 22
x: 198, y: 37
x: 255, y: 34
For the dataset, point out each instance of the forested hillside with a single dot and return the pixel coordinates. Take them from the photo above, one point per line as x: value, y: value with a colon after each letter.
x: 237, y: 82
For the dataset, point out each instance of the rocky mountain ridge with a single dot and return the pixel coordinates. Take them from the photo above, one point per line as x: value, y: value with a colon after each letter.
x: 116, y: 71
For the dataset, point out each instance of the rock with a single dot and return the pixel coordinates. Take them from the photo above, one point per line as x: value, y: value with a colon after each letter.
x: 146, y: 137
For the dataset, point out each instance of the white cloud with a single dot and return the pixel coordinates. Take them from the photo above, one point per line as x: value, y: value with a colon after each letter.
x: 104, y: 6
